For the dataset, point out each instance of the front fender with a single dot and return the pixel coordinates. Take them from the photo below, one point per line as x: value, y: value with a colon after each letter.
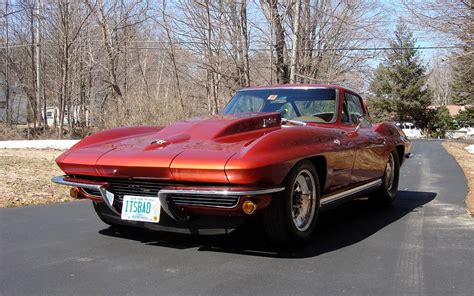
x: 109, y: 135
x: 269, y: 159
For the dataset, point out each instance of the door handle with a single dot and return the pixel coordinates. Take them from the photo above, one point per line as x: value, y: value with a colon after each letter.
x: 349, y: 134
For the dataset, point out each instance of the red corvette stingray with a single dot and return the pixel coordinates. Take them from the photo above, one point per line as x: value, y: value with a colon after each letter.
x: 283, y: 152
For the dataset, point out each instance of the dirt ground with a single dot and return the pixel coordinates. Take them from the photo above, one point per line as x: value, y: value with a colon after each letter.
x: 466, y: 161
x: 25, y: 178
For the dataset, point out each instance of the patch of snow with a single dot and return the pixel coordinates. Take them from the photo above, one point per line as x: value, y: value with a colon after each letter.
x: 470, y: 131
x: 462, y: 133
x: 38, y: 144
x: 413, y: 133
x: 470, y: 149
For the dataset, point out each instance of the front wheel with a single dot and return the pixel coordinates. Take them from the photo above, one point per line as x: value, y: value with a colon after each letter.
x: 293, y: 213
x: 387, y: 192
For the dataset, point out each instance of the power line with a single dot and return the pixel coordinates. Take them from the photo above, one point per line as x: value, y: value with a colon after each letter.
x: 265, y: 49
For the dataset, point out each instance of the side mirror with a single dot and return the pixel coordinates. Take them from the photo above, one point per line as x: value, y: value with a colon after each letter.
x: 362, y: 121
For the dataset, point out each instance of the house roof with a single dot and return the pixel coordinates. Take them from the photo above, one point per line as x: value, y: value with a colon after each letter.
x: 453, y: 109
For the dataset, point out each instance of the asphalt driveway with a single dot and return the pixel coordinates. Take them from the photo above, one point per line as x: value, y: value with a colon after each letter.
x: 422, y: 245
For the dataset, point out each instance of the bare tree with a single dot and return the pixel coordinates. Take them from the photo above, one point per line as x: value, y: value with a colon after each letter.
x: 112, y: 63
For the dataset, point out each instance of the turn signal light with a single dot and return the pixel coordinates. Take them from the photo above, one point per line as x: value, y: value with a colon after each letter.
x: 74, y: 192
x: 249, y: 207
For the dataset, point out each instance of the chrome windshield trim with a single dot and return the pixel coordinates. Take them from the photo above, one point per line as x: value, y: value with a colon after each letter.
x: 349, y: 192
x: 287, y: 87
x: 336, y: 97
x: 107, y: 196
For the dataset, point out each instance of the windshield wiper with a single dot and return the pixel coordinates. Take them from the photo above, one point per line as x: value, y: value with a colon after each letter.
x: 294, y: 122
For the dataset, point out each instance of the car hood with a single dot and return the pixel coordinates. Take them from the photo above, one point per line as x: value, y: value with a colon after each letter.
x: 194, y: 150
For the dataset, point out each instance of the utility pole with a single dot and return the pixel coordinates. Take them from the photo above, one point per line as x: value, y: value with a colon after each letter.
x: 36, y: 46
x: 7, y: 62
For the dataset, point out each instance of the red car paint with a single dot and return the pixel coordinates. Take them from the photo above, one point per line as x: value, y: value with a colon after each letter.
x: 251, y: 150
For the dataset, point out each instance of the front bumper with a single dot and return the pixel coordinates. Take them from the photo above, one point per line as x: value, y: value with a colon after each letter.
x: 202, y: 196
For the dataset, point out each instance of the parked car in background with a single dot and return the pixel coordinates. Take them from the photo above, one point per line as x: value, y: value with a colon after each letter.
x: 283, y: 152
x: 410, y: 130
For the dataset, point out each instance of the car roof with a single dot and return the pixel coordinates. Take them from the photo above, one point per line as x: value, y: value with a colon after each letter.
x: 280, y: 86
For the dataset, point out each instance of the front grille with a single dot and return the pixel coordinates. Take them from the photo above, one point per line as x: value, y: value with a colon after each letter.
x: 121, y: 187
x: 202, y: 200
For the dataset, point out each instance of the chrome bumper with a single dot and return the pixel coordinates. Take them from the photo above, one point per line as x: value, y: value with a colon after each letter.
x: 107, y: 196
x: 163, y: 194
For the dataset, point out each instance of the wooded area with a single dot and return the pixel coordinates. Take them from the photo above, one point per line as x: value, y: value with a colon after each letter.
x: 125, y: 62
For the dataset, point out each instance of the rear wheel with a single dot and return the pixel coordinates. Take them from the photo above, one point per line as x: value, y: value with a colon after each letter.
x: 293, y: 213
x: 387, y: 192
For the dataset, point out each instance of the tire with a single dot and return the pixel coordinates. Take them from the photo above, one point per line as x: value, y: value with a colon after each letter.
x: 292, y: 216
x: 387, y: 192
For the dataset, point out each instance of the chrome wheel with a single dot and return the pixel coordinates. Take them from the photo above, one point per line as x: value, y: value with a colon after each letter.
x: 390, y: 173
x: 303, y: 200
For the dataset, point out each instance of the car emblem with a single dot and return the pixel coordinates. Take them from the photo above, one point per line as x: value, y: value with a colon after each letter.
x: 159, y: 142
x: 269, y: 122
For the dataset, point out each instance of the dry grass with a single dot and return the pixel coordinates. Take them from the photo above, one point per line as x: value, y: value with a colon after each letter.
x: 25, y: 178
x: 466, y: 161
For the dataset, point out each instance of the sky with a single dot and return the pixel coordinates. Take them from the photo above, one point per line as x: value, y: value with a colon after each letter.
x: 423, y: 36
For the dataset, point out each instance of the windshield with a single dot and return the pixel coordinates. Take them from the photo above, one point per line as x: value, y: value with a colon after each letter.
x: 310, y: 105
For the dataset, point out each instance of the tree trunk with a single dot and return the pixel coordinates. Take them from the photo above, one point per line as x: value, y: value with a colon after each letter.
x: 245, y: 43
x: 173, y: 59
x: 37, y: 63
x: 296, y: 42
x: 7, y: 70
x: 270, y: 8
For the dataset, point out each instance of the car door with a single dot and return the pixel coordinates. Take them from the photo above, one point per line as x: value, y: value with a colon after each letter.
x: 367, y: 144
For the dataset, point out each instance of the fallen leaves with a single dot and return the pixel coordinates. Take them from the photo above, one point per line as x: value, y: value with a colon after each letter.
x: 466, y: 162
x: 25, y: 178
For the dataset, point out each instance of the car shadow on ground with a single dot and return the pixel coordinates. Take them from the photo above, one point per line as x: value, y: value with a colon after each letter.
x: 337, y: 228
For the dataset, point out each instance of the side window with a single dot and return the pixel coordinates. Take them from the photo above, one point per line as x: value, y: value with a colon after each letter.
x: 351, y: 109
x: 247, y: 104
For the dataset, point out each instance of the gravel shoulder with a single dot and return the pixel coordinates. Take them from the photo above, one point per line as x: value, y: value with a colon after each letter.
x: 26, y: 178
x: 466, y: 162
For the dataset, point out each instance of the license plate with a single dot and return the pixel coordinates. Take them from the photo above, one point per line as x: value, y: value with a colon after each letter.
x: 141, y: 208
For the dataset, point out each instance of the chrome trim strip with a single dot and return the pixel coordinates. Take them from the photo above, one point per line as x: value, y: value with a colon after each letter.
x: 220, y: 192
x: 60, y: 180
x: 107, y: 196
x: 349, y: 192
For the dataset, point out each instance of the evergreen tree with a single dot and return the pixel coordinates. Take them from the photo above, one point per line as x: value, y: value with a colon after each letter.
x: 399, y: 89
x: 463, y: 76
